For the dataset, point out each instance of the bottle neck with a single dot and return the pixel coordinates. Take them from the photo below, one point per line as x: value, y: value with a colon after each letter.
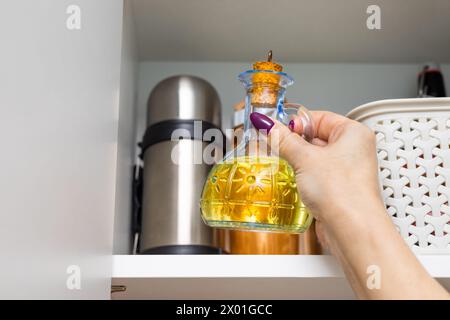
x: 267, y: 100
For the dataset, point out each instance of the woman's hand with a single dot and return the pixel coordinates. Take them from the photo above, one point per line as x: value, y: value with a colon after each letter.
x: 338, y: 170
x: 338, y: 181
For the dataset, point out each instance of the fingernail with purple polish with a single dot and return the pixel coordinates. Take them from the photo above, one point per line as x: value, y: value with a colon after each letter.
x: 261, y: 121
x: 291, y: 125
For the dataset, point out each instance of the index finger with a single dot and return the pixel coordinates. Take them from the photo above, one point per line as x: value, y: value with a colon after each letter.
x: 325, y: 123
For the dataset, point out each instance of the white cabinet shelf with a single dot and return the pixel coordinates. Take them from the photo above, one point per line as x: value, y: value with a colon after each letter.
x: 241, y: 276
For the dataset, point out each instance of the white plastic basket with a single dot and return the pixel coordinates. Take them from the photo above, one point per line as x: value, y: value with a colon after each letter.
x: 413, y: 137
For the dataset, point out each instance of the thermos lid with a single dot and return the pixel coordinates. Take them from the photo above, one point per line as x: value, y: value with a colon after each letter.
x: 184, y: 97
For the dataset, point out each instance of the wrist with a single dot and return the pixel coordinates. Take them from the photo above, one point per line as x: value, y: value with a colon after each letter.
x: 356, y: 215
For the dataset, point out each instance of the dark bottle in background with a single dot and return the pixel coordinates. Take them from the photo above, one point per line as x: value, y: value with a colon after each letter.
x: 431, y: 81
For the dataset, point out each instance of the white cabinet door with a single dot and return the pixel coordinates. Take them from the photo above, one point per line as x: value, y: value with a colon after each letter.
x: 59, y: 88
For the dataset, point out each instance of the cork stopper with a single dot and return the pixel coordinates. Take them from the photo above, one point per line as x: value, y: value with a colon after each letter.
x: 265, y: 85
x: 267, y: 65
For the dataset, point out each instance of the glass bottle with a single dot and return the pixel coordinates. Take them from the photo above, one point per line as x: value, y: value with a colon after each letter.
x: 252, y: 188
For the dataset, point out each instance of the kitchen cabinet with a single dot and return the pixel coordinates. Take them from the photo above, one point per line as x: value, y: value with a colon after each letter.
x: 70, y: 91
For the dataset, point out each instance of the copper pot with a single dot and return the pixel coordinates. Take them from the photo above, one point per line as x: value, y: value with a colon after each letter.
x: 250, y: 242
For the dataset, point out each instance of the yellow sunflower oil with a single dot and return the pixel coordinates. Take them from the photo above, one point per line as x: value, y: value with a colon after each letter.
x: 254, y: 193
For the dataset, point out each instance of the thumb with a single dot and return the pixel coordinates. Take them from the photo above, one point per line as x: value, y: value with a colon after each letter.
x: 282, y: 141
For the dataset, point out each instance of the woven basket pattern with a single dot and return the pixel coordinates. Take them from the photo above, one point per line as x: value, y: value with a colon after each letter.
x: 414, y: 170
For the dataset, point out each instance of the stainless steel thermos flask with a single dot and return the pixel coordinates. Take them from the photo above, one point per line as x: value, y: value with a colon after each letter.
x: 172, y: 181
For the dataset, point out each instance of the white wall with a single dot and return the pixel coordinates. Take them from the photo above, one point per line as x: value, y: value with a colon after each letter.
x: 335, y: 87
x: 127, y: 133
x: 58, y: 133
